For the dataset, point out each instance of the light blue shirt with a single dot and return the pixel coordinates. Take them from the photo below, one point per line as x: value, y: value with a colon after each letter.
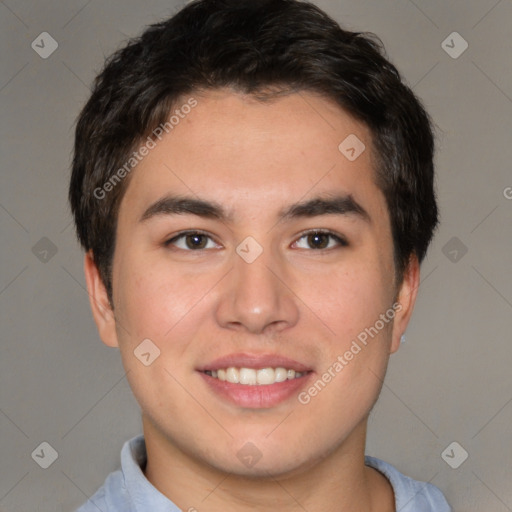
x: 128, y: 490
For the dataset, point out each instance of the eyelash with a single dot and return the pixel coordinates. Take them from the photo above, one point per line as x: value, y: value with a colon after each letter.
x: 183, y: 235
x: 341, y: 242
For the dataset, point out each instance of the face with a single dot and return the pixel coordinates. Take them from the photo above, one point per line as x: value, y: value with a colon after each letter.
x: 258, y: 260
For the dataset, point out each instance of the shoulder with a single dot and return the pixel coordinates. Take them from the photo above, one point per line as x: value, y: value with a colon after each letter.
x: 113, y: 495
x: 127, y: 489
x: 110, y: 496
x: 410, y: 495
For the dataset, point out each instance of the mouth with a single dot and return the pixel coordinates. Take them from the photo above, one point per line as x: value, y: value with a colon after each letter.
x: 255, y: 381
x: 253, y: 376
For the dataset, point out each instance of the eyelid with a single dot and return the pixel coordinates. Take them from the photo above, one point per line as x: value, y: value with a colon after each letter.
x: 181, y: 234
x: 340, y: 239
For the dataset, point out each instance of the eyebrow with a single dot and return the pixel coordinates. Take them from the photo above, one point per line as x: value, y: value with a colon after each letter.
x: 173, y: 205
x: 337, y: 205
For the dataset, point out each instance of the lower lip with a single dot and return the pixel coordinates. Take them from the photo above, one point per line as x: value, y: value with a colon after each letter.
x: 257, y: 396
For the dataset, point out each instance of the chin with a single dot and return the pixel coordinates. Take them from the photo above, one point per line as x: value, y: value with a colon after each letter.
x: 266, y: 469
x: 272, y: 461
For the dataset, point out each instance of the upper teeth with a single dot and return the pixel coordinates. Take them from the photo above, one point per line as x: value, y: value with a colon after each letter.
x: 252, y: 377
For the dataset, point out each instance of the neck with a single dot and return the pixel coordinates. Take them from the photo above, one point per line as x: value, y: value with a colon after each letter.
x: 338, y: 482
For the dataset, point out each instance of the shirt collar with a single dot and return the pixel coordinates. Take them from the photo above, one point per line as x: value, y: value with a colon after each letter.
x: 143, y: 494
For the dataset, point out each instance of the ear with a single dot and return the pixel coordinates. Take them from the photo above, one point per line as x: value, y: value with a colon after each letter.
x: 406, y: 298
x: 100, y: 305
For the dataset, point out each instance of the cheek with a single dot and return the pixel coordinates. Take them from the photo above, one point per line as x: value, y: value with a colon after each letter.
x: 151, y: 298
x: 152, y: 304
x: 157, y: 301
x: 349, y: 301
x: 135, y: 302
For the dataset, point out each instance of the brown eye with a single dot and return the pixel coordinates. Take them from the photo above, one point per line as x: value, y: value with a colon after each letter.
x: 196, y: 241
x: 319, y: 240
x: 191, y: 241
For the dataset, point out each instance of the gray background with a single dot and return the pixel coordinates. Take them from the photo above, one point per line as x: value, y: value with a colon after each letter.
x: 450, y: 381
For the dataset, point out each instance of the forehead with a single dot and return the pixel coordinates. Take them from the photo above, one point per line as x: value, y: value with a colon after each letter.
x: 241, y: 152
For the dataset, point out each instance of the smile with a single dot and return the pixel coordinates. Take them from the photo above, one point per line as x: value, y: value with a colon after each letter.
x: 254, y: 377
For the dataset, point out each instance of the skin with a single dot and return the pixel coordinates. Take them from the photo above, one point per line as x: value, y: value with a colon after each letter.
x: 256, y: 159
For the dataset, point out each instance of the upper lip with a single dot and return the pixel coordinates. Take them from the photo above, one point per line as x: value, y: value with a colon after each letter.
x: 256, y: 361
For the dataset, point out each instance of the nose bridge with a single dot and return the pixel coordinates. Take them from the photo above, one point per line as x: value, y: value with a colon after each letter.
x: 255, y: 296
x: 256, y: 285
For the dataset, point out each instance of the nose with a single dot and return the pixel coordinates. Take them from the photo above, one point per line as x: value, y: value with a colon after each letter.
x: 257, y: 298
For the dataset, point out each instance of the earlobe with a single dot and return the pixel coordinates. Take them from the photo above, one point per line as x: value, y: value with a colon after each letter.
x: 406, y: 299
x: 99, y: 301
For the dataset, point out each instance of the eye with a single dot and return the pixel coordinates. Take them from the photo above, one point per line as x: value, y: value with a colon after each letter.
x: 319, y: 240
x: 192, y: 241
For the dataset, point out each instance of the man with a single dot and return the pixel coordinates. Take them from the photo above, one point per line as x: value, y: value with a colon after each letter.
x: 253, y: 187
